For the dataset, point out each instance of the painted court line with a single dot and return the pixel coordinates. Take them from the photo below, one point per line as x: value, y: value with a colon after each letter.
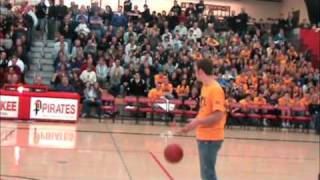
x: 161, y: 166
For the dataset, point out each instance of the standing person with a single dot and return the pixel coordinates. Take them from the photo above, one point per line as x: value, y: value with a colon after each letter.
x: 41, y: 12
x: 210, y: 121
x: 127, y: 6
x: 51, y: 20
x: 60, y: 12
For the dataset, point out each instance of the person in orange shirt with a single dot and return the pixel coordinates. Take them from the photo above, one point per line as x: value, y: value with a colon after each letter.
x: 287, y: 80
x: 167, y: 88
x: 156, y: 92
x: 183, y: 89
x: 244, y: 102
x: 305, y: 100
x: 212, y: 42
x: 245, y: 53
x: 285, y: 101
x: 260, y: 100
x: 210, y: 121
x: 159, y: 78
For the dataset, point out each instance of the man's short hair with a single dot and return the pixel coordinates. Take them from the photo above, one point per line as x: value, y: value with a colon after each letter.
x: 206, y: 66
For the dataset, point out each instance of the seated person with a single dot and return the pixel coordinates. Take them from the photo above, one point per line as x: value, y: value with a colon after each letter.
x: 156, y: 93
x: 64, y: 86
x: 183, y: 90
x: 137, y: 86
x: 92, y: 95
x: 167, y: 88
x: 159, y: 78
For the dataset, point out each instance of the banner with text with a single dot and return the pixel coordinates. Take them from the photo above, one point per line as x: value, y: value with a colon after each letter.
x: 53, y: 109
x: 9, y: 106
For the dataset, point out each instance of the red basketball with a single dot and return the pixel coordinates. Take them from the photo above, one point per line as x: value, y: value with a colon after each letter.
x: 173, y: 153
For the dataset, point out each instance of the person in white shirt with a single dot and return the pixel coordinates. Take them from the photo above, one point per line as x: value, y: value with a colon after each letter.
x: 88, y: 76
x: 146, y: 58
x: 181, y: 29
x: 18, y: 62
x: 59, y: 45
x: 196, y: 31
x: 102, y: 71
x: 129, y: 51
x: 82, y: 28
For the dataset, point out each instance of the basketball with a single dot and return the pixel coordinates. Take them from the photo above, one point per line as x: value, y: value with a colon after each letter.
x: 173, y: 153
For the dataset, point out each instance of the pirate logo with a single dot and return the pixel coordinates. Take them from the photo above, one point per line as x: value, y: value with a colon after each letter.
x: 38, y: 107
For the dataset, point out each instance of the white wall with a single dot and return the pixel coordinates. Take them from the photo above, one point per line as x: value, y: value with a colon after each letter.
x: 288, y: 5
x: 258, y: 9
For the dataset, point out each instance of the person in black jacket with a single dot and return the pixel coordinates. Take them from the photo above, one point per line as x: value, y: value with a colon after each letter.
x: 127, y: 6
x: 200, y: 7
x: 146, y: 16
x: 176, y: 8
x: 60, y: 12
x: 41, y: 12
x: 137, y: 86
x: 124, y: 86
x: 51, y: 20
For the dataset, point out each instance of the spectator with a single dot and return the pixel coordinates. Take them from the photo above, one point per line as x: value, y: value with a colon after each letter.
x: 92, y: 94
x: 167, y: 88
x: 15, y: 61
x: 64, y: 86
x: 200, y: 7
x: 76, y: 82
x: 137, y: 86
x: 183, y: 90
x: 176, y: 8
x: 88, y: 75
x: 155, y: 93
x: 116, y: 73
x: 127, y: 6
x: 96, y: 24
x: 60, y: 11
x: 118, y: 19
x: 124, y: 84
x: 41, y: 12
x: 102, y: 71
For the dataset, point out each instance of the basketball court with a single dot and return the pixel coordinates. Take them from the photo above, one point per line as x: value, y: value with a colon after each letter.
x: 90, y: 150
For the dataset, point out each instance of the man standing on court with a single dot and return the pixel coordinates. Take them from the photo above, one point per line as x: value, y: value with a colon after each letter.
x: 210, y: 121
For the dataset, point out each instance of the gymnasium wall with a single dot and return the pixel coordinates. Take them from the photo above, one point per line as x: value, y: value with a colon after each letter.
x: 258, y: 8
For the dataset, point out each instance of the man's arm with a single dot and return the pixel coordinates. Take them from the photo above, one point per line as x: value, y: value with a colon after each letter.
x: 209, y: 120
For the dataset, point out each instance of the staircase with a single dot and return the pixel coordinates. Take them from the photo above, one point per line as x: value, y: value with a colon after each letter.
x: 41, y: 62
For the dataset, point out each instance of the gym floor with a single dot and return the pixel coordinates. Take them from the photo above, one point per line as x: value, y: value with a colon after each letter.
x: 90, y: 150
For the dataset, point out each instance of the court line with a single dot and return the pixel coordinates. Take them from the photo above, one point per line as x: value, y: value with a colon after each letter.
x: 20, y: 177
x: 121, y: 157
x: 166, y: 172
x: 190, y: 136
x: 7, y: 135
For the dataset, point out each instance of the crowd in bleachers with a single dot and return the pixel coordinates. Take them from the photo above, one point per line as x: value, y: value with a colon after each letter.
x: 130, y: 52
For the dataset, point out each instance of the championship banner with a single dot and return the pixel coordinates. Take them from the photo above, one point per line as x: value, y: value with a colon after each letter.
x: 53, y: 109
x: 9, y: 106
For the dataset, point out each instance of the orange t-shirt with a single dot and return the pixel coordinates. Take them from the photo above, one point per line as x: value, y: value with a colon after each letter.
x: 155, y: 93
x: 305, y: 101
x: 197, y: 56
x: 285, y: 102
x: 259, y: 101
x: 245, y: 53
x: 182, y: 90
x: 212, y: 42
x: 159, y: 78
x: 166, y: 88
x: 212, y: 99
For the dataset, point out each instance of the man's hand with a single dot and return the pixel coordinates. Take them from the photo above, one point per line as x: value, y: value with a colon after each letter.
x: 190, y: 126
